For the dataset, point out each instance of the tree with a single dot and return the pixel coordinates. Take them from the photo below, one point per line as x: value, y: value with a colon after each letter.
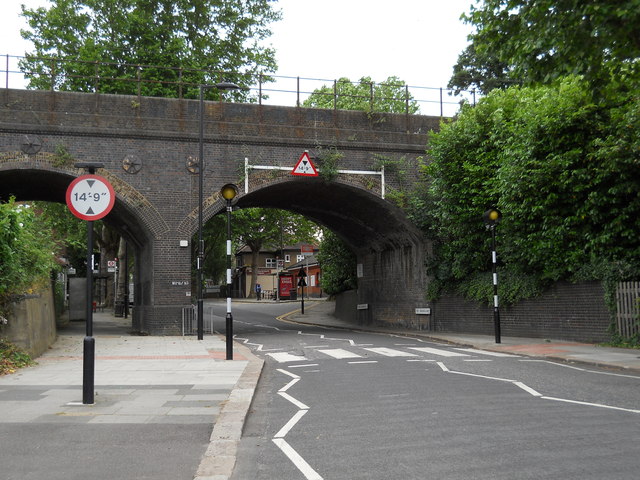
x: 561, y: 166
x: 391, y: 96
x: 542, y: 40
x: 262, y: 227
x: 190, y: 41
x: 338, y: 264
x: 26, y: 252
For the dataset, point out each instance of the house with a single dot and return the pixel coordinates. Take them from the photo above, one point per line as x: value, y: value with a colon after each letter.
x: 272, y: 264
x: 311, y: 269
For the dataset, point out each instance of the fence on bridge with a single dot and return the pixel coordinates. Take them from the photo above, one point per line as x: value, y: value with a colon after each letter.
x: 627, y: 308
x: 151, y: 80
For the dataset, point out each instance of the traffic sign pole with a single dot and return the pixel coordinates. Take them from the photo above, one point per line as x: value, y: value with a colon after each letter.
x: 89, y: 356
x: 89, y: 197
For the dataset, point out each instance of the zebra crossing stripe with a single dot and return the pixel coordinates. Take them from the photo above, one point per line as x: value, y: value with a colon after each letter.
x: 437, y: 351
x: 390, y: 352
x: 340, y: 353
x: 486, y: 352
x: 283, y: 357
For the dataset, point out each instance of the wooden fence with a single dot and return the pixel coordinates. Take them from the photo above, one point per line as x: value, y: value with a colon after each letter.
x: 628, y: 301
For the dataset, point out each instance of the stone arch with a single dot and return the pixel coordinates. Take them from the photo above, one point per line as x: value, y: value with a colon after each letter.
x: 40, y: 177
x: 389, y: 248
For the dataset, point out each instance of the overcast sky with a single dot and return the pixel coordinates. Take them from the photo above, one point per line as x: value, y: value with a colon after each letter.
x: 416, y: 40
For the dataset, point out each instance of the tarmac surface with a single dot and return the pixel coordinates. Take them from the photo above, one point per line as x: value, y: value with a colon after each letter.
x: 186, y: 382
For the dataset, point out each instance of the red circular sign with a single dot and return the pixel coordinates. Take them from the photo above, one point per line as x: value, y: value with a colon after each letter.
x: 90, y: 197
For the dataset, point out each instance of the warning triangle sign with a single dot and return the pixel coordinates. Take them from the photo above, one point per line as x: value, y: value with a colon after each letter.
x: 305, y: 167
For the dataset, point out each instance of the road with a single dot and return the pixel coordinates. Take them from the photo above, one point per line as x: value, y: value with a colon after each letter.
x: 336, y: 404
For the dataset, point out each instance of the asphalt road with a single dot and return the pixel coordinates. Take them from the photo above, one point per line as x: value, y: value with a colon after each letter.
x: 336, y: 404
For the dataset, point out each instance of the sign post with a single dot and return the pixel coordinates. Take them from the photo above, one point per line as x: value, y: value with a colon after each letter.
x: 89, y: 197
x: 302, y: 283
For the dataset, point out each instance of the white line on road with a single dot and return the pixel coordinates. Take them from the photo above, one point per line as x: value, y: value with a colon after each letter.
x: 340, y: 353
x: 486, y: 352
x: 599, y: 405
x: 303, y: 365
x: 298, y: 461
x: 390, y: 352
x: 297, y: 403
x: 283, y: 357
x: 527, y: 389
x: 437, y: 351
x: 362, y: 361
x: 290, y: 424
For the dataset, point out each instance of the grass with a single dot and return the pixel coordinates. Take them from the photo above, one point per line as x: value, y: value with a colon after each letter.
x: 12, y: 358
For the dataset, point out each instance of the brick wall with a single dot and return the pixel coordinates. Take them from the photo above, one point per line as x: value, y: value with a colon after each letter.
x: 566, y: 311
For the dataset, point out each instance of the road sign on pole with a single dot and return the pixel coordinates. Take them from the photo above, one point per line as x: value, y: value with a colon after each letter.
x: 90, y: 197
x: 305, y: 166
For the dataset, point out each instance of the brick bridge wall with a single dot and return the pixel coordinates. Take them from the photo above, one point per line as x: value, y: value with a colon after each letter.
x: 42, y: 135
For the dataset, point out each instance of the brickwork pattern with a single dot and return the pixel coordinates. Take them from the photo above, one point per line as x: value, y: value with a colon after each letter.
x: 567, y: 311
x: 158, y: 207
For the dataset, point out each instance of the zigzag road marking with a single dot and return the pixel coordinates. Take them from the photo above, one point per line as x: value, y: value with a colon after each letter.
x: 259, y: 345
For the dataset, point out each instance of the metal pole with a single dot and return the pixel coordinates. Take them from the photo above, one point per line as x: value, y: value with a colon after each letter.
x: 88, y: 363
x: 200, y: 259
x: 229, y: 318
x: 494, y: 261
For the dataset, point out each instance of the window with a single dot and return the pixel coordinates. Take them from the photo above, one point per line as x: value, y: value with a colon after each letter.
x: 299, y: 258
x: 270, y: 263
x: 287, y: 258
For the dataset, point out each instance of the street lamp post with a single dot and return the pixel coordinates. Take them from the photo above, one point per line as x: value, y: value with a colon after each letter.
x: 491, y: 219
x: 200, y: 259
x: 229, y: 192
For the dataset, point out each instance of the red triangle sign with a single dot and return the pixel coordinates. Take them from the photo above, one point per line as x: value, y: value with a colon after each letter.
x: 305, y: 167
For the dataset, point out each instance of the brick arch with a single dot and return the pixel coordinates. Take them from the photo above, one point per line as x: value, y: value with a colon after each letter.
x: 350, y: 205
x: 44, y: 177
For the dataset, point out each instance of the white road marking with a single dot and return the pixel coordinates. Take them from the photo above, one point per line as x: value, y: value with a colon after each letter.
x: 283, y: 357
x: 437, y: 351
x: 591, y: 404
x: 303, y: 365
x: 298, y: 461
x: 390, y: 352
x: 527, y: 389
x: 297, y: 403
x: 486, y: 352
x: 477, y: 360
x: 340, y: 353
x: 290, y: 424
x: 362, y: 361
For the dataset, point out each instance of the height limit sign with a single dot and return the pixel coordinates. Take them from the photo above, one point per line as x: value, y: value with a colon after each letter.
x: 305, y: 167
x: 90, y: 197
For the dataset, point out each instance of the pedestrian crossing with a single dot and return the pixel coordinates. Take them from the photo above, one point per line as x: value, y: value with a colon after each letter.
x: 408, y: 352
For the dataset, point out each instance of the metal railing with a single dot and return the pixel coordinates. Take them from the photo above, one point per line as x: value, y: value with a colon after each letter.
x: 190, y: 320
x: 68, y: 74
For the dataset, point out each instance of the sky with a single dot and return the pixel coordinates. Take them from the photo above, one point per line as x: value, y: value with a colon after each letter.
x: 416, y: 40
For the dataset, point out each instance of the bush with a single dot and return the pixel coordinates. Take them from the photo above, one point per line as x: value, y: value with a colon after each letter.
x: 12, y: 358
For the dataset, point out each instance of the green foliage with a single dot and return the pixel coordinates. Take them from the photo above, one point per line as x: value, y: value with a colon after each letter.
x: 328, y: 163
x: 189, y: 36
x: 62, y: 156
x: 389, y: 96
x: 12, y: 358
x: 26, y: 252
x: 338, y: 265
x: 269, y: 227
x: 543, y: 40
x: 563, y: 170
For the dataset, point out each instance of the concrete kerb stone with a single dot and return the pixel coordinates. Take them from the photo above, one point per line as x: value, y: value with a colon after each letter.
x: 220, y: 457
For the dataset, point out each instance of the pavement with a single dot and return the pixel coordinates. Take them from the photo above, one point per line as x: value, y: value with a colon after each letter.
x: 145, y: 380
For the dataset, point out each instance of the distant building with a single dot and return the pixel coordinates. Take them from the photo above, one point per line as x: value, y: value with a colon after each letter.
x: 272, y: 264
